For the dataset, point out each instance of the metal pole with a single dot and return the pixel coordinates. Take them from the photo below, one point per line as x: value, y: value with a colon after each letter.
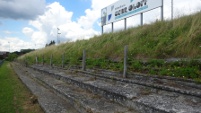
x: 172, y: 11
x: 112, y: 27
x: 162, y: 17
x: 59, y: 38
x: 102, y: 29
x: 125, y: 61
x: 84, y: 60
x: 57, y: 35
x: 124, y: 23
x: 141, y: 16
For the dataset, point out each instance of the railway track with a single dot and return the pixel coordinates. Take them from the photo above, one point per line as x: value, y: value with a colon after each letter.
x: 101, y: 91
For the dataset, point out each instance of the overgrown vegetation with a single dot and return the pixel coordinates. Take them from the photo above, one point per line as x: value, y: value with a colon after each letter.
x: 11, y: 57
x: 179, y: 38
x: 185, y: 69
x: 14, y: 96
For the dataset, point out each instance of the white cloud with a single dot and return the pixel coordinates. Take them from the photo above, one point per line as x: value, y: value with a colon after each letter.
x: 39, y: 38
x: 181, y: 7
x: 14, y: 44
x: 186, y: 6
x: 7, y: 32
x: 44, y: 27
x: 27, y: 31
x: 88, y: 21
x: 21, y: 9
x: 55, y: 17
x: 93, y: 14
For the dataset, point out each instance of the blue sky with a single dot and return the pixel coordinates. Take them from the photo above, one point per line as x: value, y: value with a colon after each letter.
x: 33, y: 23
x: 71, y: 5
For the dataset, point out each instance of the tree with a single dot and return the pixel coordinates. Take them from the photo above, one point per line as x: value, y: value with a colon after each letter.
x: 52, y: 42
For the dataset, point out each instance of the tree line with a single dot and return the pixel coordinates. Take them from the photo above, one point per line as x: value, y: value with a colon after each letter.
x: 52, y: 42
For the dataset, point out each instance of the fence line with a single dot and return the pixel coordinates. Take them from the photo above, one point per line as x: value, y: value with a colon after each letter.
x: 153, y: 67
x: 84, y: 62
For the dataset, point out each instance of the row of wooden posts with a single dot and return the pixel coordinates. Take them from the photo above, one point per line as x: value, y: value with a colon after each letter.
x: 84, y: 61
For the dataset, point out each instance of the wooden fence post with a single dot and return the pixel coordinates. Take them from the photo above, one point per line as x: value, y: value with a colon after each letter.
x: 125, y: 61
x: 51, y: 60
x: 36, y: 60
x: 63, y: 60
x: 43, y: 60
x: 26, y: 63
x: 84, y: 60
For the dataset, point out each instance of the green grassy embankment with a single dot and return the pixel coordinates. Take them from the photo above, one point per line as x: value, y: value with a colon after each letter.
x: 148, y: 46
x: 14, y: 96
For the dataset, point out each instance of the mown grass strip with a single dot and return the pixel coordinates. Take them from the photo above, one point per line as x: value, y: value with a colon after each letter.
x: 14, y: 96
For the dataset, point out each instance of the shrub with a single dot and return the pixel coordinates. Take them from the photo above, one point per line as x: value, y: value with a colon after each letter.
x: 11, y: 57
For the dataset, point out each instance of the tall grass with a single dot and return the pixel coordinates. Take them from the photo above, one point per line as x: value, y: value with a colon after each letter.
x: 162, y: 39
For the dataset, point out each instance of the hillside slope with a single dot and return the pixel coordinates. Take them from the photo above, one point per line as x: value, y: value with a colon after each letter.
x: 180, y: 38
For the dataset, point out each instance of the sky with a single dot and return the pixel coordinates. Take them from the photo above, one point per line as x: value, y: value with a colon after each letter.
x: 31, y: 24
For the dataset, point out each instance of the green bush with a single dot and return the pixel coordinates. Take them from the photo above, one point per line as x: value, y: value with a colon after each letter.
x: 11, y: 57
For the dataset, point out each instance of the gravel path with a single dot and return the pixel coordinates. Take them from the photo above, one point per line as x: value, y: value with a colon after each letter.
x: 102, y: 91
x: 84, y: 101
x: 155, y: 98
x: 50, y: 102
